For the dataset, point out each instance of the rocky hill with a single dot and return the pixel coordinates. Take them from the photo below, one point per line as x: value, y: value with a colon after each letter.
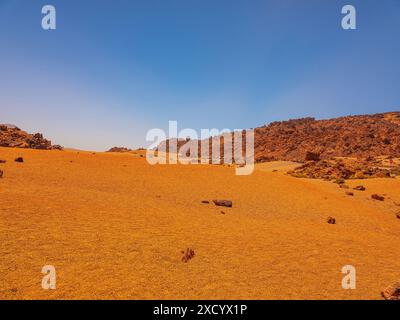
x: 307, y: 139
x: 352, y: 136
x: 14, y: 137
x: 341, y: 148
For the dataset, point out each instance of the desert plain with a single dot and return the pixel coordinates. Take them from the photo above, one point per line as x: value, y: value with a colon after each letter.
x: 114, y: 227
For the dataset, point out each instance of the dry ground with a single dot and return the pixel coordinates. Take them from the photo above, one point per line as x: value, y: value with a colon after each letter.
x: 114, y: 227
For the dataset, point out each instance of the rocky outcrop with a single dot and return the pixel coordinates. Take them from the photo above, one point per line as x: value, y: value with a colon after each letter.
x: 337, y: 169
x: 352, y: 136
x: 13, y: 137
x: 303, y: 140
x: 119, y: 149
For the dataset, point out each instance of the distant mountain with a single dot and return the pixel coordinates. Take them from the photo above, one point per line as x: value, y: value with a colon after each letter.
x: 12, y: 136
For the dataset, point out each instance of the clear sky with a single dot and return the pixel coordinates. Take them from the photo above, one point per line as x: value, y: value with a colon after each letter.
x: 115, y: 69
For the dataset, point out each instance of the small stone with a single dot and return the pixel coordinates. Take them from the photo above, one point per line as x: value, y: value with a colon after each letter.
x: 1, y: 173
x: 19, y: 159
x: 205, y: 201
x: 3, y: 161
x: 392, y: 292
x: 343, y: 186
x: 359, y: 188
x: 187, y: 255
x: 223, y: 203
x: 331, y: 220
x: 349, y: 193
x: 377, y: 197
x: 398, y: 215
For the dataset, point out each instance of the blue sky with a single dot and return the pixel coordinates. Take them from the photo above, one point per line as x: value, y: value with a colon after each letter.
x: 115, y: 69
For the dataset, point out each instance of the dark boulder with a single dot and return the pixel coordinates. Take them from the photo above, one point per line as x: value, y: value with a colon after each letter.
x: 223, y: 203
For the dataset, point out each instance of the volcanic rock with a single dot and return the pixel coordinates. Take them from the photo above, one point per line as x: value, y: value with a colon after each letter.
x: 14, y: 137
x: 350, y: 136
x: 343, y: 169
x: 331, y: 220
x: 378, y: 197
x: 359, y: 188
x: 223, y: 203
x: 312, y: 156
x: 187, y: 255
x: 392, y: 292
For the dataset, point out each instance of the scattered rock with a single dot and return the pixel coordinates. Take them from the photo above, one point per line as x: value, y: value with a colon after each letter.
x: 339, y: 181
x: 1, y: 173
x: 343, y: 186
x: 312, y: 156
x: 339, y: 170
x: 398, y: 215
x: 359, y: 188
x: 3, y: 161
x: 392, y: 292
x: 223, y: 212
x: 205, y: 201
x: 349, y: 193
x: 223, y: 203
x: 187, y: 255
x: 331, y: 220
x: 19, y: 159
x: 377, y: 197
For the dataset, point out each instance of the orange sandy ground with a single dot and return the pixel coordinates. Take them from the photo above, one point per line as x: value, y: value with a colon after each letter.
x: 114, y: 227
